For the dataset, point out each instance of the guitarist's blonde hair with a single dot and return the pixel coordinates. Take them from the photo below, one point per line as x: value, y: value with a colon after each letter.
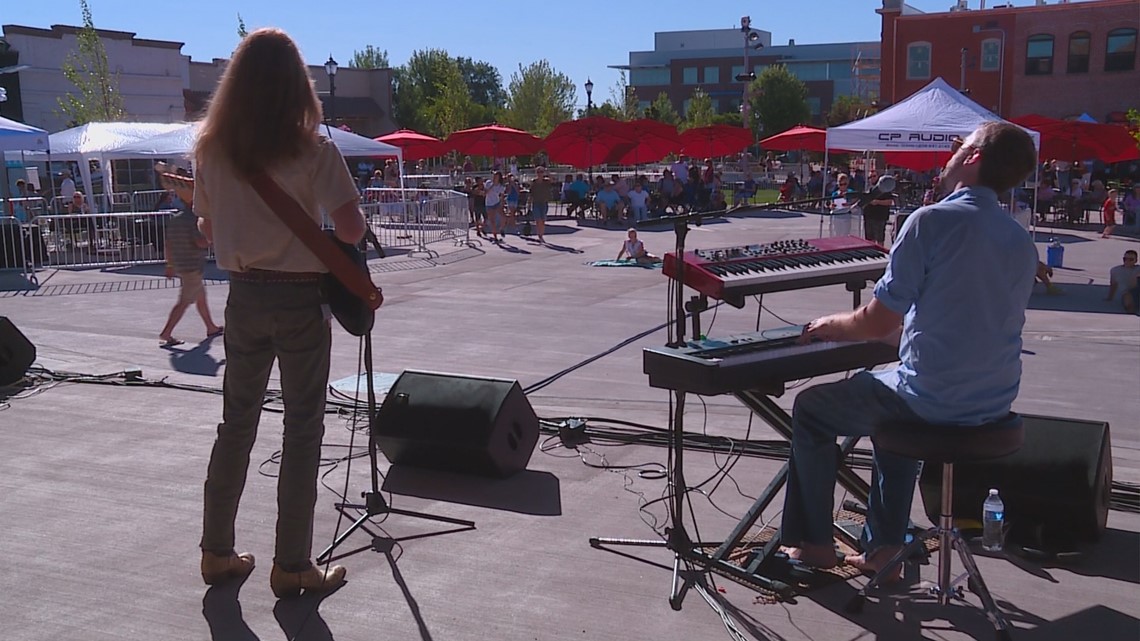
x: 264, y: 110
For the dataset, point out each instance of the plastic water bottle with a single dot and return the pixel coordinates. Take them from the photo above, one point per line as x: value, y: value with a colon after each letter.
x: 993, y: 517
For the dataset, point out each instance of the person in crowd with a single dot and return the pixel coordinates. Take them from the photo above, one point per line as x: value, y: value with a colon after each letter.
x: 1122, y: 279
x: 621, y: 186
x: 960, y: 365
x: 19, y: 209
x: 67, y: 187
x: 680, y: 168
x: 635, y: 249
x: 262, y: 121
x: 186, y: 258
x: 1131, y: 206
x: 859, y: 181
x: 479, y: 194
x: 511, y: 198
x: 815, y: 184
x: 494, y: 191
x: 468, y: 165
x: 876, y: 213
x: 708, y: 173
x: 608, y: 202
x: 513, y: 167
x: 391, y: 174
x: 541, y: 190
x: 1061, y: 168
x: 639, y: 203
x: 1108, y: 213
x: 671, y: 190
x: 1045, y: 194
x: 579, y: 196
x: 1044, y: 276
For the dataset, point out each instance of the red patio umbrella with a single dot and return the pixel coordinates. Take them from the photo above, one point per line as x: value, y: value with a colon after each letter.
x: 493, y: 140
x: 1078, y: 140
x: 797, y: 138
x: 416, y: 146
x: 653, y: 140
x: 585, y: 142
x: 715, y: 140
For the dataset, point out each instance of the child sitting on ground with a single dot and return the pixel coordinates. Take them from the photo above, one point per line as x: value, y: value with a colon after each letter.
x: 635, y: 249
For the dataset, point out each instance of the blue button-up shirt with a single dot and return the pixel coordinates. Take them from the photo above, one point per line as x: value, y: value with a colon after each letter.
x: 960, y: 273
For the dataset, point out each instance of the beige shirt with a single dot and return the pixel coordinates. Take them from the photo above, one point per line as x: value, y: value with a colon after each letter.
x: 247, y: 234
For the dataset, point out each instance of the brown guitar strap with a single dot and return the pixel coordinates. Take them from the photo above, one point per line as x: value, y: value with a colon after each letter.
x: 305, y: 228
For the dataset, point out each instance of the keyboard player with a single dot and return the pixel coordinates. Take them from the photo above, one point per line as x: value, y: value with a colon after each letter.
x: 955, y: 290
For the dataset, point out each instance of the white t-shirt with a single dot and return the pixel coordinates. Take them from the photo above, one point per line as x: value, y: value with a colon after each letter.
x: 67, y: 188
x: 681, y: 170
x: 638, y: 198
x: 1123, y: 276
x: 494, y: 193
x: 634, y: 248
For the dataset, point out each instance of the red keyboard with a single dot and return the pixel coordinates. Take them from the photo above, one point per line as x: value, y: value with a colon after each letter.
x: 732, y: 273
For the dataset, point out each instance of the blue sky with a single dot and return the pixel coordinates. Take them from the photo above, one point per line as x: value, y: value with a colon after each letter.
x: 602, y: 33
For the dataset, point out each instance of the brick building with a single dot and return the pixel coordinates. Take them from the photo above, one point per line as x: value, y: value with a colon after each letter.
x: 1058, y: 60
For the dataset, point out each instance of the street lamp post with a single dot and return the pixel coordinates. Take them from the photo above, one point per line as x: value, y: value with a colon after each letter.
x: 589, y: 110
x: 751, y: 41
x: 330, y: 69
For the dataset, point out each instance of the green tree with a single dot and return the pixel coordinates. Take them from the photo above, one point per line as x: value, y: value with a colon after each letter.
x: 700, y: 111
x: 486, y: 88
x: 97, y: 96
x: 241, y: 31
x: 778, y: 100
x: 624, y: 98
x: 538, y: 98
x: 662, y: 110
x: 417, y: 83
x: 452, y: 109
x: 731, y: 118
x: 369, y: 58
x: 845, y: 109
x: 1134, y: 124
x: 607, y: 109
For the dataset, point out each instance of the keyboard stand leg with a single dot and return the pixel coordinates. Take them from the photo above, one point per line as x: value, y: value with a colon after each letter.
x: 764, y: 407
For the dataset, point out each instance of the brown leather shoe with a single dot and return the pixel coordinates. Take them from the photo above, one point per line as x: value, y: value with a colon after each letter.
x: 217, y: 568
x: 289, y: 584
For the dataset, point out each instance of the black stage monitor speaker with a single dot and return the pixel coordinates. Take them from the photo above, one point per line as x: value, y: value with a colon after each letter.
x: 482, y: 426
x: 1056, y: 488
x: 16, y: 353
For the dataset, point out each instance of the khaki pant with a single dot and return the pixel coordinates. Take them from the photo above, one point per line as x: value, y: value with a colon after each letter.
x: 192, y: 287
x: 264, y: 322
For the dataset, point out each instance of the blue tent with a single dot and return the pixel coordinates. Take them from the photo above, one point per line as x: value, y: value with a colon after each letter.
x: 16, y: 136
x: 1085, y: 117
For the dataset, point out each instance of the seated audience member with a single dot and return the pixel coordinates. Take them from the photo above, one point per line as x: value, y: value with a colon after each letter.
x: 1045, y: 275
x: 621, y: 186
x: 635, y: 249
x: 608, y: 202
x: 576, y: 197
x: 960, y: 363
x: 1122, y: 278
x: 639, y: 203
x: 671, y: 190
x: 717, y: 201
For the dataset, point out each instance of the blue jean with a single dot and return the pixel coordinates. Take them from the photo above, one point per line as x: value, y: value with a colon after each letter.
x: 850, y: 407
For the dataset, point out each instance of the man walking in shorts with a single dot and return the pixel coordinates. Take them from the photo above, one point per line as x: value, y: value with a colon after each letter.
x: 541, y: 190
x: 186, y: 257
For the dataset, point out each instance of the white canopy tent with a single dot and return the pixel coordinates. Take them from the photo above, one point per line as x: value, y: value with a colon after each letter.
x: 180, y: 143
x: 928, y: 120
x: 88, y: 142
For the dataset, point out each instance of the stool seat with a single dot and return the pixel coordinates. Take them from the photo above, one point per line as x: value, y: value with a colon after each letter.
x: 936, y: 443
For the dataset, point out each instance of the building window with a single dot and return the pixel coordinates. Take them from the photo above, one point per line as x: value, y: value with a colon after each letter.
x: 1039, y: 55
x: 991, y: 54
x: 642, y: 105
x: 815, y: 105
x: 1120, y: 50
x: 737, y: 70
x: 689, y: 75
x: 648, y: 77
x: 712, y: 75
x: 1078, y: 52
x: 918, y: 61
x: 759, y: 69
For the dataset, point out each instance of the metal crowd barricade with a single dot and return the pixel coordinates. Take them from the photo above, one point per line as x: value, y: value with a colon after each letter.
x: 86, y: 240
x: 146, y: 200
x: 416, y: 217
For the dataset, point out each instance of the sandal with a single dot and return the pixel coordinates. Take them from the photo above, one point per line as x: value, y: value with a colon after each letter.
x: 171, y: 342
x: 217, y: 332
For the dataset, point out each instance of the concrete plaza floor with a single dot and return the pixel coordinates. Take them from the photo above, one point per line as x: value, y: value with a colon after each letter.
x: 100, y: 485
